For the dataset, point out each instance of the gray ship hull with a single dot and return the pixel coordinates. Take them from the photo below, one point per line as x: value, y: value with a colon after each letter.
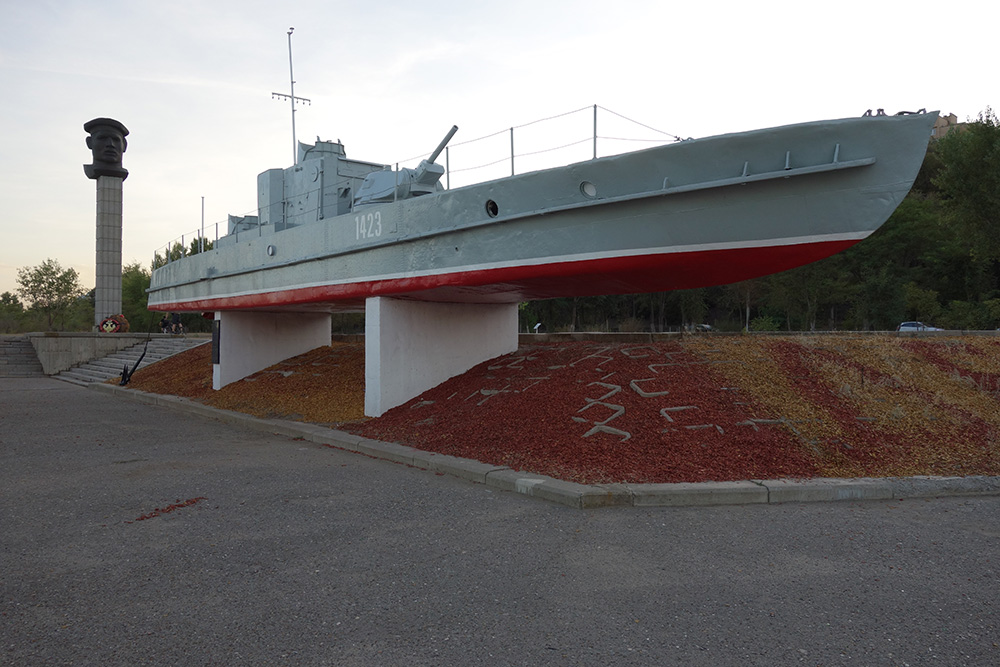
x: 689, y: 214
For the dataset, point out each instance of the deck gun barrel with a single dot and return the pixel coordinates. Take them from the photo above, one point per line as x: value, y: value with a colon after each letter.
x: 444, y: 142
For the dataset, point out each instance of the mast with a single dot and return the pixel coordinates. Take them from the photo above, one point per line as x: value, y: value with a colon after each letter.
x: 292, y: 98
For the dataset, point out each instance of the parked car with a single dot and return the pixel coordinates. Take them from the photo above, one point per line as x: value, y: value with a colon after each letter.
x: 916, y: 326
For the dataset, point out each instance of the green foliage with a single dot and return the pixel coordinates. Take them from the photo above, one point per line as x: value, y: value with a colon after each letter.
x: 693, y: 306
x: 921, y: 304
x: 631, y: 324
x: 765, y: 323
x: 199, y: 245
x: 10, y: 303
x: 799, y: 294
x: 992, y: 308
x: 969, y: 180
x: 879, y: 304
x: 347, y: 323
x: 135, y: 282
x: 740, y: 298
x: 177, y: 251
x: 11, y: 312
x: 965, y: 315
x: 49, y: 289
x: 80, y: 316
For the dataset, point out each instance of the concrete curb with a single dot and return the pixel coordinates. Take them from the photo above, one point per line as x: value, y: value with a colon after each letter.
x: 587, y: 496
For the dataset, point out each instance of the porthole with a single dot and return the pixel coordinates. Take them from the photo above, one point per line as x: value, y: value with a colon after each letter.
x: 588, y: 190
x: 492, y: 209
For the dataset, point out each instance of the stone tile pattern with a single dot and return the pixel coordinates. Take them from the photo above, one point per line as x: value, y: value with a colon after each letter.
x: 108, y: 294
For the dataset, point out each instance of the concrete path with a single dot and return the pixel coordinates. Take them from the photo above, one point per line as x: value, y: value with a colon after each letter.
x: 255, y: 548
x: 588, y: 496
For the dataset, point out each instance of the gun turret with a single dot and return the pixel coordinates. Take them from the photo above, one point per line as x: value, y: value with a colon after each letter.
x: 424, y: 179
x: 386, y: 186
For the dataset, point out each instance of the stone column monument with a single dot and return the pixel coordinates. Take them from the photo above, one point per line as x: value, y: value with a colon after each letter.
x: 107, y: 142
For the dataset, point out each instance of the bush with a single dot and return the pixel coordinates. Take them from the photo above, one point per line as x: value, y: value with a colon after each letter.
x: 765, y: 323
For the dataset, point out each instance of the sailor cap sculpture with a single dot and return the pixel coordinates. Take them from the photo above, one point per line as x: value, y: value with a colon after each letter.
x: 108, y: 143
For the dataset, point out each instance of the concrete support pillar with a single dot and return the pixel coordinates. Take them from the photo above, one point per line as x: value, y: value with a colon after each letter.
x: 108, y: 290
x: 247, y: 342
x: 411, y: 346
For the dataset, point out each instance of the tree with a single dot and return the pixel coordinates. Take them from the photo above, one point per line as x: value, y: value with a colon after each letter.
x: 197, y: 245
x: 49, y: 289
x: 176, y: 252
x: 799, y: 292
x: 135, y: 282
x: 742, y: 295
x: 921, y: 304
x: 10, y: 312
x: 969, y: 179
x: 10, y: 303
x: 880, y: 302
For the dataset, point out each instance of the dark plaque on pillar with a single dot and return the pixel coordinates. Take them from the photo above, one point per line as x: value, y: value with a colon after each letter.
x: 108, y: 143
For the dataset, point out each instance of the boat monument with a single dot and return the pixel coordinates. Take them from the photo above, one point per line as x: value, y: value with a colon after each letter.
x: 439, y: 272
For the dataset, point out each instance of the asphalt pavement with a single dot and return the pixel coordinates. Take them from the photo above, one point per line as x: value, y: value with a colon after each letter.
x: 133, y: 534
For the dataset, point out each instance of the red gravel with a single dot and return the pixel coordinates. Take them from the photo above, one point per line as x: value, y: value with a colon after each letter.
x: 577, y: 411
x: 697, y: 409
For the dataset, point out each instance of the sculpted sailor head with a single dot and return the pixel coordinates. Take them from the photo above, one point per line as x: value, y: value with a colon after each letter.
x: 107, y: 143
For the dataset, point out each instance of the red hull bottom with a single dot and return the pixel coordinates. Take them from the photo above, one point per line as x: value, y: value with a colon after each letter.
x: 612, y: 275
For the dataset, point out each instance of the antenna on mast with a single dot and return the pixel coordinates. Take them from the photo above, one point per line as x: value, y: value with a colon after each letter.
x: 291, y: 98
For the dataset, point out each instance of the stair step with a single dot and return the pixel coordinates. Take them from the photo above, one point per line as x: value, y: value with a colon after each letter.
x: 18, y: 358
x: 111, y: 366
x: 99, y: 374
x: 66, y: 376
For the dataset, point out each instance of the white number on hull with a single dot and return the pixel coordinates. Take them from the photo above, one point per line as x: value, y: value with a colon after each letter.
x: 368, y: 226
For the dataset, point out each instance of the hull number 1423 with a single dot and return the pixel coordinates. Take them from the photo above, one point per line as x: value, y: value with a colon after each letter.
x: 368, y: 225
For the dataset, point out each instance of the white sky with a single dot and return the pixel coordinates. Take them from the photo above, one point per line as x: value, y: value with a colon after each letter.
x: 191, y: 79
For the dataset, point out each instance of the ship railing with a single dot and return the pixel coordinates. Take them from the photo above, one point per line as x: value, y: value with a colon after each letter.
x: 189, y: 243
x: 556, y: 140
x: 563, y: 138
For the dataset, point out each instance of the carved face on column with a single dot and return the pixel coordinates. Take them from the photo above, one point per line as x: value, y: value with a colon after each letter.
x: 107, y: 143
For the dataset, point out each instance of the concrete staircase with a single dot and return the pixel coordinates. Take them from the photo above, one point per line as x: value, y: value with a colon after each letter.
x: 111, y: 366
x: 18, y: 358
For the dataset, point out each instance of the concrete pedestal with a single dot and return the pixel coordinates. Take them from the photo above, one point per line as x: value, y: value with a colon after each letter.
x: 412, y: 346
x: 108, y: 290
x: 252, y: 341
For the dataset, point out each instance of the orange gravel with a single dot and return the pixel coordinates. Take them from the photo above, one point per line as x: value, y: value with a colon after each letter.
x: 691, y: 409
x: 324, y: 386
